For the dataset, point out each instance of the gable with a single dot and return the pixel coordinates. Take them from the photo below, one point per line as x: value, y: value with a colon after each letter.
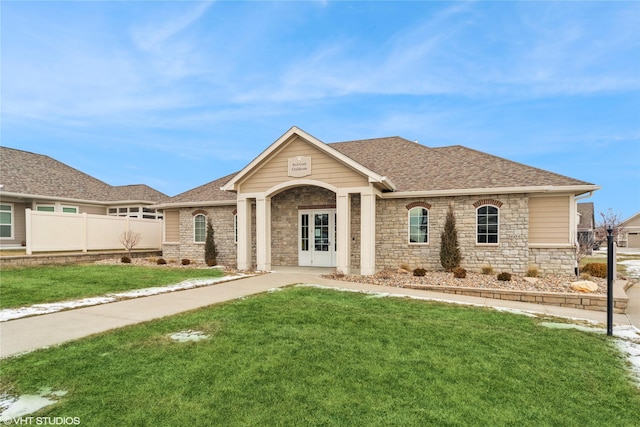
x: 322, y: 167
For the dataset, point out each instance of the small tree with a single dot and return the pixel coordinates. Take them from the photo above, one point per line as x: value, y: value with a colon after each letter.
x: 609, y: 220
x: 210, y: 250
x: 129, y: 240
x: 450, y: 256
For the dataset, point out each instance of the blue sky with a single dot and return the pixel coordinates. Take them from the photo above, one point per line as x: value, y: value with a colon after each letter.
x: 177, y: 94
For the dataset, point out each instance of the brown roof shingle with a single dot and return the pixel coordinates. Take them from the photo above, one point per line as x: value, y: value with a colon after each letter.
x: 415, y: 167
x: 28, y: 173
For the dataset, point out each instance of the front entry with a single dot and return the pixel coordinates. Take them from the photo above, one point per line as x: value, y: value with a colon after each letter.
x: 317, y: 238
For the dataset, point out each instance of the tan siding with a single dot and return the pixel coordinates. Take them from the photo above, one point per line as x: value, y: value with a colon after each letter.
x: 634, y: 222
x: 172, y: 226
x: 93, y: 210
x: 549, y: 219
x: 323, y: 168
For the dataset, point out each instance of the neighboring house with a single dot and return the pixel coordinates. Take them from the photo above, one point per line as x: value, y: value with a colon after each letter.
x: 364, y: 205
x: 586, y: 226
x: 42, y: 184
x: 630, y: 236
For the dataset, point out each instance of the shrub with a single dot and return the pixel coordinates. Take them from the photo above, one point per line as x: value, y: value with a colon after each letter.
x: 459, y: 273
x: 504, y: 277
x: 532, y: 272
x: 449, y: 249
x: 487, y: 269
x: 419, y: 272
x: 125, y: 260
x: 405, y: 266
x: 210, y: 248
x: 161, y: 261
x: 596, y: 269
x: 585, y: 276
x: 186, y: 261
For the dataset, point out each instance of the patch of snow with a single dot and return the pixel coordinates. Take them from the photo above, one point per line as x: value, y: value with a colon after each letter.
x: 185, y: 336
x: 633, y: 267
x: 26, y: 404
x: 37, y: 309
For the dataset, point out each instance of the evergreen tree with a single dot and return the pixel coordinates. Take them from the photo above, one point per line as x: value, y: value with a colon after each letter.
x: 450, y: 256
x: 210, y: 250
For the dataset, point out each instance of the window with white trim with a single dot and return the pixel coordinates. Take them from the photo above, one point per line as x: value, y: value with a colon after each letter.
x: 418, y: 225
x: 6, y: 221
x: 199, y: 228
x: 487, y: 224
x: 235, y: 227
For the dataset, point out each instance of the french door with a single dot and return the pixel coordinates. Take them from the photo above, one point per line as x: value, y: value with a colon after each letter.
x: 317, y: 238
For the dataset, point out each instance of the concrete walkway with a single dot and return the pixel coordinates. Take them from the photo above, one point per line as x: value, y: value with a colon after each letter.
x: 27, y: 334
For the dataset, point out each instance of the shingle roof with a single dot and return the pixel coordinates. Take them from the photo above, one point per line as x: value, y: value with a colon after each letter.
x: 586, y: 211
x: 206, y: 192
x: 36, y: 174
x: 415, y: 167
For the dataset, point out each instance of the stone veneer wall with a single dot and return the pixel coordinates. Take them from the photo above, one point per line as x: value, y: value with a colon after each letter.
x: 284, y: 220
x: 223, y: 220
x: 511, y: 254
x: 560, y: 261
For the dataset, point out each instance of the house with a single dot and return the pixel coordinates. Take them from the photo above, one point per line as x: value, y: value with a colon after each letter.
x: 586, y: 226
x: 630, y: 235
x: 38, y: 183
x: 361, y: 206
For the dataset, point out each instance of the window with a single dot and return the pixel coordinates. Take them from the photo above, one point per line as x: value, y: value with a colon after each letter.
x: 6, y: 221
x: 487, y: 229
x: 56, y: 208
x: 418, y: 225
x: 199, y: 228
x: 235, y: 228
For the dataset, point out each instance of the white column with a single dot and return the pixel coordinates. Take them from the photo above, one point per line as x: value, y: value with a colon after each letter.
x: 244, y: 234
x: 343, y: 231
x: 263, y: 233
x: 367, y: 234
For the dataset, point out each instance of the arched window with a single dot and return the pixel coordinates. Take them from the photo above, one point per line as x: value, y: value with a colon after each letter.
x: 418, y: 225
x: 199, y: 228
x: 487, y: 224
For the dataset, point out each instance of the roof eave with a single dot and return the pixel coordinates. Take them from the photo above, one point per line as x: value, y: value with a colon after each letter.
x: 71, y: 200
x: 178, y: 205
x: 575, y: 189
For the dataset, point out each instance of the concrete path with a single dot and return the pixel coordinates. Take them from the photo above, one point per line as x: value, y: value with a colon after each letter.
x: 27, y: 334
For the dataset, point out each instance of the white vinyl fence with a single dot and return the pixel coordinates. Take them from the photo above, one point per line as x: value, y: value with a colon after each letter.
x: 58, y: 231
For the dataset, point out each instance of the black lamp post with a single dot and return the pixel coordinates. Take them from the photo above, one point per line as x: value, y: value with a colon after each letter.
x: 610, y: 262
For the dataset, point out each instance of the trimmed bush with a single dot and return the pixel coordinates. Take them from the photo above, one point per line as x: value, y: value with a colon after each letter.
x: 161, y: 261
x: 419, y: 272
x: 450, y: 255
x: 487, y: 269
x: 459, y: 273
x: 504, y: 277
x: 596, y: 269
x: 125, y: 260
x: 186, y: 261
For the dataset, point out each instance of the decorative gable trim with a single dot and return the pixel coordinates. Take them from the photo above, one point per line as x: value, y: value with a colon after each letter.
x: 371, y: 175
x: 492, y: 202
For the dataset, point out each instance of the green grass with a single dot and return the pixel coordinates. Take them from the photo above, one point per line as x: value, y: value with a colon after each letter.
x: 306, y: 356
x: 21, y: 287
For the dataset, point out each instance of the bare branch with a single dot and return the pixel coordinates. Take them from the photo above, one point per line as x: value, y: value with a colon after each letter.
x: 129, y: 240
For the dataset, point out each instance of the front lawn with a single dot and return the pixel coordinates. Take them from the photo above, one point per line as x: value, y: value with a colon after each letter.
x: 21, y: 287
x: 306, y: 356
